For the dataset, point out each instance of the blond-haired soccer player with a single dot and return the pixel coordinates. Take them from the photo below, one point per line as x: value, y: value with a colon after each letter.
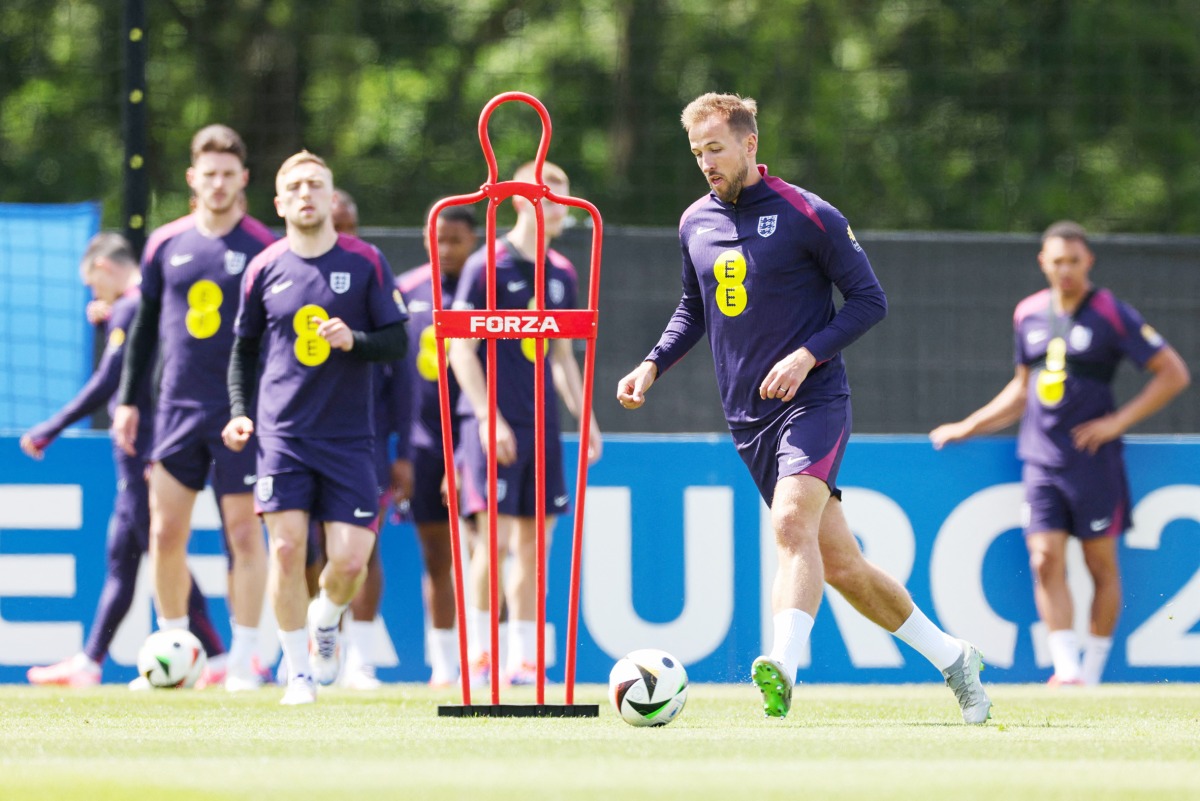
x: 317, y: 308
x: 761, y: 258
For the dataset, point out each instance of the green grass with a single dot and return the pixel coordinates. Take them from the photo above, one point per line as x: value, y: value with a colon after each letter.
x: 843, y: 742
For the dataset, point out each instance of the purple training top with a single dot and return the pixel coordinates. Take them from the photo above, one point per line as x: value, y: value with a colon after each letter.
x: 197, y: 279
x: 416, y: 285
x: 758, y: 276
x: 1097, y: 337
x: 308, y: 389
x: 514, y: 290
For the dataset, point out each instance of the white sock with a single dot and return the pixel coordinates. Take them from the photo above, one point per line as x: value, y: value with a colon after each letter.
x: 241, y: 647
x: 441, y: 646
x: 295, y: 651
x: 361, y: 641
x: 1064, y: 652
x: 479, y: 633
x: 85, y: 662
x: 792, y: 627
x: 168, y: 623
x: 325, y: 612
x: 522, y: 643
x: 929, y: 641
x: 1095, y: 657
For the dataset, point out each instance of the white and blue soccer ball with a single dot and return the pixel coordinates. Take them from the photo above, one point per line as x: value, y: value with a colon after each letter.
x: 648, y: 687
x: 171, y: 659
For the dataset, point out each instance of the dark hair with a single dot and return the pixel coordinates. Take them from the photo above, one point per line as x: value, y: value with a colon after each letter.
x: 462, y: 214
x: 1065, y: 229
x: 108, y: 245
x: 218, y: 139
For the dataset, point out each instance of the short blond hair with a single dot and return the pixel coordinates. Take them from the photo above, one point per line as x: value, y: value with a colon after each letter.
x: 740, y: 113
x: 303, y: 157
x: 550, y: 172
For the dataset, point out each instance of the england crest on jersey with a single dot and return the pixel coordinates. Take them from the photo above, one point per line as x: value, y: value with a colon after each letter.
x: 1080, y: 338
x: 766, y: 224
x: 234, y: 262
x: 339, y: 282
x: 557, y: 291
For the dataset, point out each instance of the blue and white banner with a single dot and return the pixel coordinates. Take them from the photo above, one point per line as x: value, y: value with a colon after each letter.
x: 678, y: 554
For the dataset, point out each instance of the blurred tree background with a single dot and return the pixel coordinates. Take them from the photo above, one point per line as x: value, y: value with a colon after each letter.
x: 987, y: 115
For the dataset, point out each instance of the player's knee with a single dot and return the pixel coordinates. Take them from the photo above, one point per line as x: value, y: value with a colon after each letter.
x: 246, y: 540
x: 288, y: 555
x: 1045, y: 565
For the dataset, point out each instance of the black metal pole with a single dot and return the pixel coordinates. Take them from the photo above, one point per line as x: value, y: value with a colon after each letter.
x: 137, y: 186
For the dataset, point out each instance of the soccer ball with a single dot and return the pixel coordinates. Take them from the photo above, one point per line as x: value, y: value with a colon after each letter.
x: 171, y: 659
x: 648, y: 687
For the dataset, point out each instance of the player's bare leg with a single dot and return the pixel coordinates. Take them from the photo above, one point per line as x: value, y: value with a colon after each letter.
x: 1100, y: 555
x: 883, y: 600
x: 437, y: 587
x: 479, y: 620
x: 359, y: 671
x: 347, y: 552
x: 1052, y: 596
x: 171, y: 505
x: 796, y: 593
x: 288, y: 535
x: 522, y: 596
x: 247, y: 586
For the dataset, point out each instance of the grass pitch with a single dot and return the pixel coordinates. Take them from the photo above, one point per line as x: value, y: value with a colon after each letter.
x: 840, y: 742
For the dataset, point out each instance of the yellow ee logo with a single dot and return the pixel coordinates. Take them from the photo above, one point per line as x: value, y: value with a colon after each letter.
x: 203, y: 318
x: 529, y: 346
x: 730, y: 271
x: 427, y: 360
x: 310, y: 349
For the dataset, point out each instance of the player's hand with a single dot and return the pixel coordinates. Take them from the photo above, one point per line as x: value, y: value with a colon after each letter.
x: 1091, y: 435
x: 948, y: 432
x: 784, y: 379
x: 98, y: 311
x: 402, y: 480
x: 237, y: 433
x: 444, y: 487
x: 506, y: 440
x: 336, y: 333
x: 631, y: 390
x: 124, y: 428
x: 31, y: 448
x: 595, y: 443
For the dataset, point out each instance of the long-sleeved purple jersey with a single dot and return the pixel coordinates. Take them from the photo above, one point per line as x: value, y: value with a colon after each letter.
x: 758, y: 277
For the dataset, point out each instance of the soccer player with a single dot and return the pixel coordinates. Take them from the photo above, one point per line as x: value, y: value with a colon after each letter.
x: 456, y: 240
x: 1069, y: 340
x: 317, y: 308
x: 110, y: 270
x: 191, y: 270
x: 760, y: 260
x: 393, y: 416
x: 517, y: 513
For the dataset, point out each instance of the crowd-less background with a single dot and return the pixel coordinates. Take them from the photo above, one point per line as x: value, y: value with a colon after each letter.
x: 949, y: 133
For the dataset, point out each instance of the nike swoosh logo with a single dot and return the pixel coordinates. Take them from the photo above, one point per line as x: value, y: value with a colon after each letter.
x: 360, y: 513
x: 249, y: 480
x: 561, y: 500
x: 177, y: 261
x: 795, y: 459
x: 275, y: 290
x: 516, y: 286
x: 1036, y: 337
x: 1101, y: 524
x: 705, y: 230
